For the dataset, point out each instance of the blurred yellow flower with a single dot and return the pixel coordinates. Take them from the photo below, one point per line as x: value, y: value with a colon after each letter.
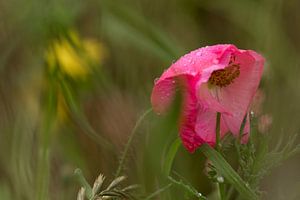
x: 73, y: 56
x: 94, y: 49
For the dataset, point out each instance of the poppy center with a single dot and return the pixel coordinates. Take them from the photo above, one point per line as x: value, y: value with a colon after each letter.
x: 226, y: 76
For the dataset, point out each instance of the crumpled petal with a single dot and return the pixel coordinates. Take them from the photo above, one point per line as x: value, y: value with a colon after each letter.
x: 189, y: 114
x: 233, y: 100
x: 200, y: 61
x: 162, y: 96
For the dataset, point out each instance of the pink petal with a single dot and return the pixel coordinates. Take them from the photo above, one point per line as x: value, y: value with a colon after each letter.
x: 161, y: 101
x: 201, y: 61
x: 206, y: 126
x: 200, y: 103
x: 233, y: 100
x: 190, y: 109
x: 238, y: 95
x: 163, y: 94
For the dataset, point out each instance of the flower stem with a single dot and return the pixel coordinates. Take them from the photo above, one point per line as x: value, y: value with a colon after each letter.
x: 218, y: 135
x: 238, y: 141
x: 221, y: 186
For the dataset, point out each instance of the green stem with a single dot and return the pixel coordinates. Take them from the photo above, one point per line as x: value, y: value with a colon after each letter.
x: 238, y: 141
x: 158, y: 192
x: 43, y: 168
x: 229, y: 193
x: 83, y: 182
x: 218, y: 134
x: 221, y: 186
x: 128, y: 144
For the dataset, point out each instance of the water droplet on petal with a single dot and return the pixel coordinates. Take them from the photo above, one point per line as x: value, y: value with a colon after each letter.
x: 155, y: 80
x: 199, y: 53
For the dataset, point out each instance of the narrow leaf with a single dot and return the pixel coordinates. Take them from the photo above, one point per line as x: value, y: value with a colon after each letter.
x: 228, y: 172
x: 84, y: 183
x: 170, y: 156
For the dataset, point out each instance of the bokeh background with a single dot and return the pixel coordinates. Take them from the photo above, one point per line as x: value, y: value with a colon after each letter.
x: 130, y: 42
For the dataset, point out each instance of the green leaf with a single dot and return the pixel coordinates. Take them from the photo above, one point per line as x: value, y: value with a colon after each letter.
x: 228, y: 172
x: 84, y: 183
x: 170, y: 156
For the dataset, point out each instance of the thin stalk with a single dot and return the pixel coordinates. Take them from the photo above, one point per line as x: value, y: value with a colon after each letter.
x: 218, y: 134
x: 157, y: 192
x: 229, y: 193
x: 220, y: 185
x: 128, y: 144
x: 238, y: 141
x: 43, y: 168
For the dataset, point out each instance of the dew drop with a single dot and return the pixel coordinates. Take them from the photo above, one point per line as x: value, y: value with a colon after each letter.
x: 220, y: 179
x: 155, y: 80
x: 199, y: 53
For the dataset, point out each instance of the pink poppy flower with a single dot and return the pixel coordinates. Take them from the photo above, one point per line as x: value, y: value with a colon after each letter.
x: 212, y: 79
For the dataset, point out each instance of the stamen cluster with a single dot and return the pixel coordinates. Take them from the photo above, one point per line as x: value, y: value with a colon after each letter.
x: 226, y: 76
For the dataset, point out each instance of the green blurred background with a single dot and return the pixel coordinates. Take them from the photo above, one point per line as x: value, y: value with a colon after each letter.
x: 140, y: 38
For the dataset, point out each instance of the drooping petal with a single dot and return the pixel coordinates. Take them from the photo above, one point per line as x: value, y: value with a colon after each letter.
x: 189, y: 114
x: 209, y: 97
x: 233, y: 100
x: 238, y: 95
x: 163, y: 94
x: 207, y: 94
x: 200, y: 62
x: 162, y: 97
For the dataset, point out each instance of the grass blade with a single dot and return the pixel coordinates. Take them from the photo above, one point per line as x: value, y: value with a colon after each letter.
x: 170, y: 156
x: 228, y: 172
